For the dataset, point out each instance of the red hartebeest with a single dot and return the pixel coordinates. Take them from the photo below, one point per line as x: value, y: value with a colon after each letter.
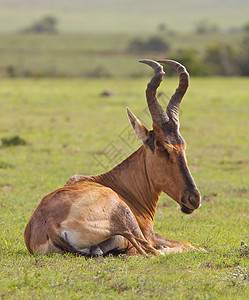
x: 114, y: 211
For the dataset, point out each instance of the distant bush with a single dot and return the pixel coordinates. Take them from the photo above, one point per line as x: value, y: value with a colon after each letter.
x: 190, y: 59
x: 45, y: 25
x: 154, y: 44
x: 204, y: 27
x: 246, y: 27
x: 243, y: 58
x: 13, y: 141
x: 220, y: 59
x: 243, y: 65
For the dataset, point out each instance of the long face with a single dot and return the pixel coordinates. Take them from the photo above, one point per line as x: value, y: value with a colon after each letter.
x: 164, y: 147
x: 168, y: 168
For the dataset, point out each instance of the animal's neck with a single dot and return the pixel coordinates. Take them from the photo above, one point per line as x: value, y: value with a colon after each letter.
x: 130, y: 180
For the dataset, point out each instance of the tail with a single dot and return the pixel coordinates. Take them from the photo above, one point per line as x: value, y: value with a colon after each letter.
x: 27, y: 236
x: 35, y: 234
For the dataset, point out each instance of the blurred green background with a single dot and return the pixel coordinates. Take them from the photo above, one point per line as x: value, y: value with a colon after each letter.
x: 80, y: 38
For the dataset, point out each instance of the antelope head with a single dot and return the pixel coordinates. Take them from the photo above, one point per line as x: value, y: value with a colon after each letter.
x: 164, y: 147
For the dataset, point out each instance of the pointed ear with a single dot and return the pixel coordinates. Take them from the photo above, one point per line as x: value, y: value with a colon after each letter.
x: 141, y: 131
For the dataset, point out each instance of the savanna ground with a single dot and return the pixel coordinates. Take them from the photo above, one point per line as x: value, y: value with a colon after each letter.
x: 54, y: 128
x: 65, y: 126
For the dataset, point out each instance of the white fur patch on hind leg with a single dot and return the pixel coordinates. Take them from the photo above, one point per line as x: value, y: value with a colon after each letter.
x: 93, y: 250
x: 85, y: 251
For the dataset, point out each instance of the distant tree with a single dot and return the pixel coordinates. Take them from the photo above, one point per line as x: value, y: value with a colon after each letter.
x: 156, y: 44
x: 47, y: 24
x: 153, y: 44
x: 246, y: 28
x: 245, y: 43
x: 245, y: 40
x: 243, y: 64
x: 204, y: 27
x: 243, y: 57
x: 190, y: 59
x: 220, y: 59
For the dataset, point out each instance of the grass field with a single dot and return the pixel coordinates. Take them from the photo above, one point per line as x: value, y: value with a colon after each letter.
x: 68, y: 127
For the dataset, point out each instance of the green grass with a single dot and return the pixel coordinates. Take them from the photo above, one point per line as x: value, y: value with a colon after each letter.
x: 67, y: 126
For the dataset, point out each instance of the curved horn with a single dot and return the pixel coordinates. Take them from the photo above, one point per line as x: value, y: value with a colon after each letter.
x: 157, y: 112
x: 174, y: 103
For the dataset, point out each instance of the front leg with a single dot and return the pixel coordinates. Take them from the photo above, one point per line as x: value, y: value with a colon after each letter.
x: 162, y: 241
x: 159, y: 241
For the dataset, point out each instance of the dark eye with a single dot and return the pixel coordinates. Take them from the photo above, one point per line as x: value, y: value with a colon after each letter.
x: 161, y: 148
